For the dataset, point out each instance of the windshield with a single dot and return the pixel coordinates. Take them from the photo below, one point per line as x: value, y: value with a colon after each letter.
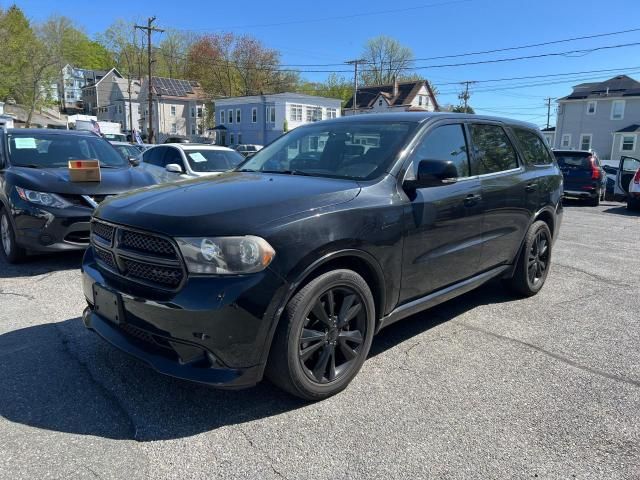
x: 206, y: 160
x: 579, y: 161
x: 116, y: 137
x: 358, y: 150
x: 45, y: 150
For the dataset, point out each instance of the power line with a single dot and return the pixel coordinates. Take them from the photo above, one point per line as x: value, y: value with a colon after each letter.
x: 340, y: 17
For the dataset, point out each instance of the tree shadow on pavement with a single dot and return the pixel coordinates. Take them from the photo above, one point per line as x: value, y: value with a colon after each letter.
x: 61, y: 377
x: 41, y: 264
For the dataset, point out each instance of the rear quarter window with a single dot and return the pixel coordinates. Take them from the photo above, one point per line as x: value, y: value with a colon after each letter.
x: 533, y: 148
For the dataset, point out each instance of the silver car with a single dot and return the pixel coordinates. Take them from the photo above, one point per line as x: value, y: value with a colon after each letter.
x: 179, y: 161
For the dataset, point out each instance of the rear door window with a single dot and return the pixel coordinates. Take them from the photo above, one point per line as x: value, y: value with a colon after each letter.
x: 154, y: 156
x: 533, y: 148
x: 492, y: 150
x: 172, y: 155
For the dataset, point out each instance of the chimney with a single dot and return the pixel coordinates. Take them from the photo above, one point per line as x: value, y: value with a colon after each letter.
x: 395, y: 87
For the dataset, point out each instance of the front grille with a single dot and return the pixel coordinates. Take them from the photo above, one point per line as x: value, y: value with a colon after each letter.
x: 81, y: 237
x: 141, y: 257
x: 167, y: 276
x: 102, y: 230
x: 140, y: 242
x: 107, y: 258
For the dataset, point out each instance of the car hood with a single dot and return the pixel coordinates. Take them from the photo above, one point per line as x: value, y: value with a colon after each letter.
x: 229, y: 204
x: 56, y: 180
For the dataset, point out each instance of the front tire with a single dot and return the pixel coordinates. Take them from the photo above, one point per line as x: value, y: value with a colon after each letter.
x: 534, y: 261
x: 324, y: 336
x: 9, y: 248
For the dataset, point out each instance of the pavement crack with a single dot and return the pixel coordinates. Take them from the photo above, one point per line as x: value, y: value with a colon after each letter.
x: 106, y: 393
x: 556, y: 356
x: 600, y: 278
x: 14, y: 294
x: 265, y: 454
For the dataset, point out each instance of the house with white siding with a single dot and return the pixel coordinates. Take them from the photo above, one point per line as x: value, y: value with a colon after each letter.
x: 602, y: 116
x: 260, y: 119
x: 415, y: 96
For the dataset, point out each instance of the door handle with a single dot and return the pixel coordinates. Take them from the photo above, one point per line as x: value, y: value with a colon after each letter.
x: 472, y: 200
x: 531, y: 187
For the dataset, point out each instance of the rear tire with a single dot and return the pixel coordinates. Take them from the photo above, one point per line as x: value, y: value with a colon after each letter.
x: 595, y: 201
x: 534, y: 261
x: 323, y: 337
x: 633, y: 205
x: 9, y: 248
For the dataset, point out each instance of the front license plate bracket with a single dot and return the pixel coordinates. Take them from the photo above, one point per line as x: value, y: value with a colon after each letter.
x: 108, y: 304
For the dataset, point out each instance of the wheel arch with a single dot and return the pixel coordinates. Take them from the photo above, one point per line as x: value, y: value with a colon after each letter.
x: 361, y: 262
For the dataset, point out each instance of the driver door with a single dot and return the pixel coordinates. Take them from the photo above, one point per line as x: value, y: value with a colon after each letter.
x: 627, y: 169
x: 444, y: 224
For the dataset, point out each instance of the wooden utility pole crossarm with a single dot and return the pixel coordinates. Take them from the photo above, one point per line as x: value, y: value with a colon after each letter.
x: 150, y: 29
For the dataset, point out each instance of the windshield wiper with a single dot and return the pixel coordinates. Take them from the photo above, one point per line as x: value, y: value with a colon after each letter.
x: 288, y: 172
x: 27, y: 165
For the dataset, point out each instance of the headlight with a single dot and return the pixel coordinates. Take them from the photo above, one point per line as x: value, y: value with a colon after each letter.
x: 41, y: 198
x: 226, y: 255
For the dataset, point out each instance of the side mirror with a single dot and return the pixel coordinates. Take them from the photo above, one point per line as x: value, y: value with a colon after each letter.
x: 134, y: 161
x: 174, y: 168
x: 433, y: 173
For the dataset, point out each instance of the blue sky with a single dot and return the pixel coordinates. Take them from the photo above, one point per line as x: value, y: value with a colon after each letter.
x: 310, y: 33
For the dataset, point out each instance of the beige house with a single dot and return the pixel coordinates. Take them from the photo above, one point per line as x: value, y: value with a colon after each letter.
x: 178, y: 108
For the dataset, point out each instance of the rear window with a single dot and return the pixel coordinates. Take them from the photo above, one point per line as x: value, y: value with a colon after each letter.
x: 579, y: 161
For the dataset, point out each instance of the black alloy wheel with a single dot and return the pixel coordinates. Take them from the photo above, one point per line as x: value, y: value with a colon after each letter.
x: 323, y: 336
x: 332, y: 335
x: 538, y: 260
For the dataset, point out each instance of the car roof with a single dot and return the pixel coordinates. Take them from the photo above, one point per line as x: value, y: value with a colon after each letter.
x: 193, y: 146
x: 423, y: 117
x: 50, y: 131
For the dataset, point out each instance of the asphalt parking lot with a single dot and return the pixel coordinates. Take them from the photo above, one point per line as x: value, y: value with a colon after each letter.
x: 485, y: 386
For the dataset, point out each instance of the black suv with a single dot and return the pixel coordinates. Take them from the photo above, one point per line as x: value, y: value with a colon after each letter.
x: 41, y: 209
x: 289, y: 265
x: 584, y: 177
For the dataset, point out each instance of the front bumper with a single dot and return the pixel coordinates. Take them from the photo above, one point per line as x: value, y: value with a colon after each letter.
x: 43, y: 229
x: 215, y: 330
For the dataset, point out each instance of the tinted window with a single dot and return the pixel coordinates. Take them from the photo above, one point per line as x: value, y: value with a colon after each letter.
x: 55, y: 150
x: 172, y: 155
x: 533, y: 148
x: 445, y: 143
x: 576, y: 161
x: 127, y: 151
x: 154, y: 156
x: 206, y: 160
x: 357, y: 149
x: 493, y: 150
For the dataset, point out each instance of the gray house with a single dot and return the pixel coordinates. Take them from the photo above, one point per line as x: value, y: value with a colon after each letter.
x: 602, y: 116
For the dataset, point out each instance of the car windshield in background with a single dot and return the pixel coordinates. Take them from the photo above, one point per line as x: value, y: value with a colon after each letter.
x: 115, y: 137
x: 43, y: 150
x: 207, y: 160
x: 578, y: 161
x: 360, y: 150
x: 127, y: 151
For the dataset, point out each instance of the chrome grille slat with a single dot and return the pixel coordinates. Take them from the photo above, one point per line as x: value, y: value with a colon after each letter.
x: 140, y: 257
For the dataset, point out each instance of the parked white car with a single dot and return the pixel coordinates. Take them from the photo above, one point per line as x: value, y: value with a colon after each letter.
x: 179, y: 161
x: 628, y: 181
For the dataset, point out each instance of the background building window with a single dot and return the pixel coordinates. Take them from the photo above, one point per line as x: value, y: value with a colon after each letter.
x: 221, y: 118
x: 200, y: 110
x: 314, y: 114
x: 239, y: 138
x: 231, y: 139
x: 296, y: 113
x: 238, y: 115
x: 173, y: 110
x: 230, y: 116
x: 566, y: 140
x: 591, y: 108
x: 174, y: 128
x: 254, y: 115
x: 585, y: 142
x: 617, y: 110
x: 331, y: 113
x: 628, y: 143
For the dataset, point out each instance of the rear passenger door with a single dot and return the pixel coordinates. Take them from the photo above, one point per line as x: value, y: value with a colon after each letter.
x: 508, y: 194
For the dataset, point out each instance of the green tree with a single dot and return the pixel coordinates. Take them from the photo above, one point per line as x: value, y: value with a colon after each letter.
x: 335, y: 86
x: 462, y: 109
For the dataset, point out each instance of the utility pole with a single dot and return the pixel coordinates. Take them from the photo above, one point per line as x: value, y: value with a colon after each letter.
x: 548, y: 110
x: 465, y: 96
x: 355, y: 79
x: 150, y: 29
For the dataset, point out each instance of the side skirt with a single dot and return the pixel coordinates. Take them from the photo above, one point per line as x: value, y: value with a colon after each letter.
x: 440, y: 296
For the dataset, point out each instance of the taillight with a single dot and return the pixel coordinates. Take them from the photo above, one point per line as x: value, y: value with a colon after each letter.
x: 595, y: 171
x: 636, y: 177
